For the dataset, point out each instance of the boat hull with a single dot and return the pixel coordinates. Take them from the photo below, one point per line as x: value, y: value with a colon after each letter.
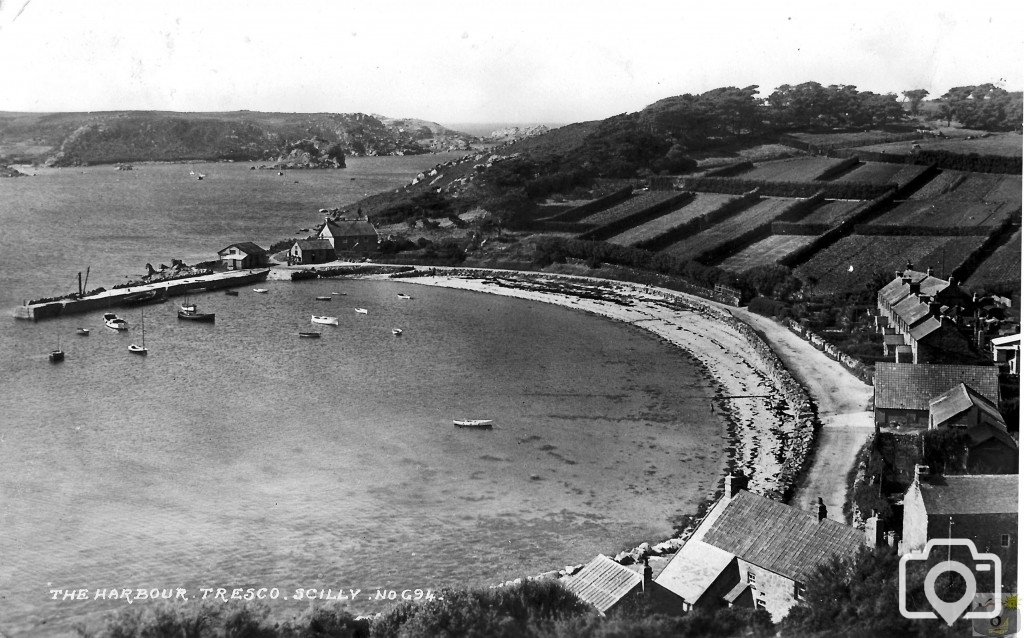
x: 327, y: 321
x: 117, y: 324
x: 56, y: 356
x: 309, y: 335
x: 480, y: 424
x: 203, y: 317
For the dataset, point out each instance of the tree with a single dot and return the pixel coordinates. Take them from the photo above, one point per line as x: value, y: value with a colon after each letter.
x: 915, y: 96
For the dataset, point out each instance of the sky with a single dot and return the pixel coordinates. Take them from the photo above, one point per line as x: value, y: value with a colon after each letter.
x: 456, y: 61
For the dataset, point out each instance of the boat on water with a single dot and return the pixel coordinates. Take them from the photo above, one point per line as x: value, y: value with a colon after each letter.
x: 361, y: 311
x: 114, y: 322
x: 137, y: 349
x: 473, y: 423
x: 148, y: 296
x: 195, y: 315
x: 402, y: 295
x: 396, y: 331
x: 322, y: 298
x: 339, y: 293
x: 231, y: 293
x: 263, y: 290
x: 84, y: 332
x: 57, y: 355
x: 309, y: 335
x: 324, y: 319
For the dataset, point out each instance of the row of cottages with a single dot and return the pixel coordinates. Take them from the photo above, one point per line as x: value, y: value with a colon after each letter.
x: 243, y: 256
x: 336, y: 238
x: 981, y: 508
x: 918, y: 315
x: 748, y: 551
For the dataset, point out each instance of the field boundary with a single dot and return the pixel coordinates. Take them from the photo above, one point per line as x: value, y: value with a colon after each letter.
x: 672, y: 235
x: 639, y: 217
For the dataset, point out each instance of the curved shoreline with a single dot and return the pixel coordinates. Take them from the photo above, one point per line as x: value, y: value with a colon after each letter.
x: 771, y: 415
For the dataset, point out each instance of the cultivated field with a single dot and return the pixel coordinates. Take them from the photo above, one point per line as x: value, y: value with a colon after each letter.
x: 634, y: 204
x: 1002, y: 267
x: 849, y: 264
x: 800, y: 169
x: 703, y: 204
x: 944, y: 213
x: 883, y: 173
x: 1006, y: 144
x: 832, y: 212
x: 843, y: 140
x: 972, y: 187
x: 766, y: 252
x: 763, y: 212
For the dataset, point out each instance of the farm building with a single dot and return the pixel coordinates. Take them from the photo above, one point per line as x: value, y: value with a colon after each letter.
x: 609, y: 586
x: 980, y: 507
x: 991, y: 449
x: 243, y: 255
x: 903, y: 390
x: 311, y: 251
x: 751, y: 551
x: 350, y: 235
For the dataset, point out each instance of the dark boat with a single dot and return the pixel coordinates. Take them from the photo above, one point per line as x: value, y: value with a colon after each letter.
x: 231, y: 293
x: 195, y: 315
x: 57, y: 355
x: 309, y: 335
x: 149, y: 296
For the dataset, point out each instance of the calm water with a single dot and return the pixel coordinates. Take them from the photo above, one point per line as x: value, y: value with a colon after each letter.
x: 238, y: 455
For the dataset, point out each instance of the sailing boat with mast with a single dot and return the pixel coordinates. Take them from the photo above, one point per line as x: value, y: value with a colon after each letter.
x: 136, y: 349
x: 57, y: 355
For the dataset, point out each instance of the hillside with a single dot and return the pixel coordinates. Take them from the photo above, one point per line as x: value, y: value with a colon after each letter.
x: 68, y: 139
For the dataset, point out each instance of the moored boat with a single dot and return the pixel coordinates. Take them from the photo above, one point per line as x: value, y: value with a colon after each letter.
x: 262, y: 290
x: 148, y: 296
x: 473, y: 423
x: 324, y: 298
x: 402, y: 295
x: 309, y: 335
x: 114, y: 322
x: 324, y: 319
x: 58, y: 354
x: 84, y: 332
x: 231, y: 293
x: 195, y: 315
x: 361, y: 311
x: 396, y: 331
x: 137, y: 349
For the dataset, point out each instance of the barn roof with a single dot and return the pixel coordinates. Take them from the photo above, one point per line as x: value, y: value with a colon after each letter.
x: 970, y: 494
x: 780, y: 538
x: 245, y: 246
x: 350, y: 228
x: 910, y: 386
x: 602, y: 582
x: 958, y: 399
x: 314, y: 244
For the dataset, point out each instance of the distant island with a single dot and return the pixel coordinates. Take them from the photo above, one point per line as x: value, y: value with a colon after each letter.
x: 290, y: 140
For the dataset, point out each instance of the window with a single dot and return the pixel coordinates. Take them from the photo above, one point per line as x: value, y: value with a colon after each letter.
x: 799, y: 591
x: 1004, y: 540
x: 759, y: 603
x: 751, y: 578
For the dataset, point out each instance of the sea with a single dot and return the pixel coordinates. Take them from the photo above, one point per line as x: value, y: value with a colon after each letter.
x: 238, y: 455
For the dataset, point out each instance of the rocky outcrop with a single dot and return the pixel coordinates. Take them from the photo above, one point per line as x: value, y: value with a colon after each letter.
x: 513, y: 133
x: 312, y: 153
x: 7, y: 171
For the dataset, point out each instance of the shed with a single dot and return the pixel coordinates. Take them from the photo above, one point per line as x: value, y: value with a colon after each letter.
x: 243, y: 255
x: 311, y: 251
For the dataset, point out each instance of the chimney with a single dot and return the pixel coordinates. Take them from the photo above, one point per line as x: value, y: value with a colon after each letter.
x: 822, y: 510
x: 915, y: 286
x: 952, y: 280
x: 874, y: 530
x: 906, y: 281
x: 735, y: 482
x: 929, y: 271
x: 920, y: 472
x: 935, y: 309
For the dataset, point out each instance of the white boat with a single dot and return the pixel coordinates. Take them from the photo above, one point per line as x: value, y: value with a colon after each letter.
x: 396, y: 331
x: 114, y: 322
x: 339, y: 293
x: 402, y: 295
x: 259, y: 290
x: 83, y: 331
x: 137, y: 349
x: 361, y: 311
x: 473, y: 423
x: 330, y: 321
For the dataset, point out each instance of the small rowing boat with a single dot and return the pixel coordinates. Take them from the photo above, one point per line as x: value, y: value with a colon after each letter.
x: 339, y: 293
x: 330, y: 321
x: 324, y: 298
x: 309, y: 335
x: 403, y: 296
x: 396, y: 331
x: 361, y: 311
x: 473, y: 423
x: 263, y: 290
x: 84, y: 332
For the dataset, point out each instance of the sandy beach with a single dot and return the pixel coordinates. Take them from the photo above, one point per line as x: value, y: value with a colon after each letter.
x: 772, y: 418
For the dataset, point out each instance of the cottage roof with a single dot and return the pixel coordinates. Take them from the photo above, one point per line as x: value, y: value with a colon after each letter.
x: 910, y: 386
x: 925, y: 328
x: 314, y: 244
x: 693, y: 569
x: 893, y: 340
x: 602, y: 582
x: 956, y: 401
x: 970, y: 494
x: 896, y: 290
x: 780, y: 538
x: 246, y: 247
x: 349, y: 228
x: 911, y: 309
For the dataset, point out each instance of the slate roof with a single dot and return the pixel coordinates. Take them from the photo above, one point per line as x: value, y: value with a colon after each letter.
x: 602, y: 582
x: 911, y: 310
x: 246, y: 247
x: 958, y: 399
x: 780, y: 538
x: 314, y: 244
x: 893, y: 340
x: 925, y: 328
x: 350, y: 228
x: 693, y: 569
x: 970, y: 494
x: 896, y: 290
x: 910, y: 386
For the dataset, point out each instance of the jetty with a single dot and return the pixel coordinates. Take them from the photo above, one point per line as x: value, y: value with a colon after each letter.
x: 125, y: 296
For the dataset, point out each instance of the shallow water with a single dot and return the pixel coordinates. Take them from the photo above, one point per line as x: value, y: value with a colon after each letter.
x: 238, y: 455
